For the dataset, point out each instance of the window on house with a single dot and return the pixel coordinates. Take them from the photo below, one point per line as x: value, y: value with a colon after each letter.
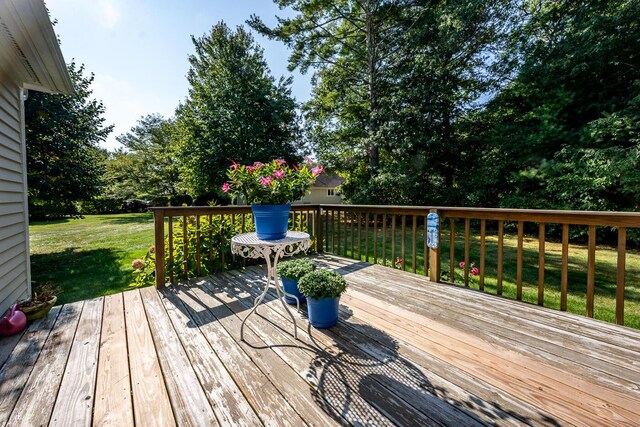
x: 331, y: 192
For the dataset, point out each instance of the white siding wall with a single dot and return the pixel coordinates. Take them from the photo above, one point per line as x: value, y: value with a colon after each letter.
x: 14, y: 247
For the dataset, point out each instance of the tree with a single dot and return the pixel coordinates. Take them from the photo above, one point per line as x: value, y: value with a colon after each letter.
x: 566, y: 132
x: 235, y: 110
x: 147, y: 165
x: 392, y: 80
x: 63, y: 133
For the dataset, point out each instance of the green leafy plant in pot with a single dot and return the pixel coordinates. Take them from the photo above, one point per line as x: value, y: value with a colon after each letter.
x: 44, y: 298
x: 322, y: 288
x: 290, y: 273
x: 270, y: 188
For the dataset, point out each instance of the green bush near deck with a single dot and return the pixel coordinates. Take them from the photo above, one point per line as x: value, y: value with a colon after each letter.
x: 296, y: 268
x: 321, y: 284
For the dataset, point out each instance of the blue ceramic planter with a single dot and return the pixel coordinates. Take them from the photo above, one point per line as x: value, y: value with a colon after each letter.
x: 323, y: 313
x: 291, y: 287
x: 271, y: 221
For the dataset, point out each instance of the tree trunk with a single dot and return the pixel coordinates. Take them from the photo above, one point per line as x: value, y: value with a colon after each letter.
x: 372, y: 64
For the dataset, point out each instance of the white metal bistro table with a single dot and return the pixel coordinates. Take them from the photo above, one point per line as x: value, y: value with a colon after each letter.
x: 248, y: 245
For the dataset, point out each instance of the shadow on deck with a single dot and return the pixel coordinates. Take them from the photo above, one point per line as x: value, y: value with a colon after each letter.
x: 406, y: 352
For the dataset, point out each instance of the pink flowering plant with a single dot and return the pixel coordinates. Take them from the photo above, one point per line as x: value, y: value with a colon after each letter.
x: 272, y: 183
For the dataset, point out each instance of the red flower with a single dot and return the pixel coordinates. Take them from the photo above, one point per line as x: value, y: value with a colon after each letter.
x: 250, y: 168
x: 281, y: 161
x: 278, y: 173
x: 234, y: 165
x: 475, y: 271
x: 226, y: 187
x: 461, y: 265
x: 266, y: 180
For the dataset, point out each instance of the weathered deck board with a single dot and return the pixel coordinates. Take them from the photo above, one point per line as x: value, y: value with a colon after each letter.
x: 36, y: 401
x: 151, y: 406
x: 16, y: 370
x: 225, y: 397
x: 188, y: 400
x: 113, y: 404
x: 406, y: 352
x: 74, y: 405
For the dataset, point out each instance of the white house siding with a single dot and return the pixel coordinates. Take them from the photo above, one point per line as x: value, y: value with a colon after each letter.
x: 14, y: 247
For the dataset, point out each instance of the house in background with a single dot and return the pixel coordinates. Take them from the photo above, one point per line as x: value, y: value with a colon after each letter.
x: 30, y: 59
x: 324, y: 190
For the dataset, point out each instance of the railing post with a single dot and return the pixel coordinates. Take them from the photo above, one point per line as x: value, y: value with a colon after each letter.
x: 318, y: 228
x: 434, y: 257
x: 158, y: 217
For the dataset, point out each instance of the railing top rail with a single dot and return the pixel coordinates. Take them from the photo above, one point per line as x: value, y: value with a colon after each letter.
x: 213, y: 210
x: 609, y: 218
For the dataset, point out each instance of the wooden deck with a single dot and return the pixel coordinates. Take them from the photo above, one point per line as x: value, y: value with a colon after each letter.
x: 406, y: 352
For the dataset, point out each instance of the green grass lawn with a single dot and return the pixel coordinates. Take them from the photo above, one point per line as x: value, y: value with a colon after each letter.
x: 605, y: 280
x: 91, y: 256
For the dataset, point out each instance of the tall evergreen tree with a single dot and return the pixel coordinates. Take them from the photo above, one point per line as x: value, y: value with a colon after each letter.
x: 63, y: 133
x: 235, y: 110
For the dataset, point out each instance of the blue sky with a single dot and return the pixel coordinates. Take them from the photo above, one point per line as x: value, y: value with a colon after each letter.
x: 138, y: 49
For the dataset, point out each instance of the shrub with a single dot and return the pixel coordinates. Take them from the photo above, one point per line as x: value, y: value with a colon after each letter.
x: 214, y: 243
x: 134, y: 206
x: 180, y: 200
x: 296, y: 268
x: 101, y: 205
x: 160, y: 201
x: 321, y: 284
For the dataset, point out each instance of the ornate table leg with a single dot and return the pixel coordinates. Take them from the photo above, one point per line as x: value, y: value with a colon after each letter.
x: 260, y: 298
x: 281, y: 297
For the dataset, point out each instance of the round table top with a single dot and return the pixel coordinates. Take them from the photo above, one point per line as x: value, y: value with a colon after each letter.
x: 251, y: 239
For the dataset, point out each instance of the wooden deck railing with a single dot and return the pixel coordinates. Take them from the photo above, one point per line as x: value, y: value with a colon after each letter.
x: 211, y: 229
x: 395, y: 236
x: 365, y: 232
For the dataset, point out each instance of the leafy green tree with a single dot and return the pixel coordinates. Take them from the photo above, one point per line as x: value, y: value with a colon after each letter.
x: 392, y: 80
x: 235, y: 110
x: 147, y: 165
x: 565, y: 132
x: 63, y: 133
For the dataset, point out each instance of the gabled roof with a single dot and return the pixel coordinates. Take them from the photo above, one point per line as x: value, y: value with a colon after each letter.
x: 328, y: 180
x: 29, y: 50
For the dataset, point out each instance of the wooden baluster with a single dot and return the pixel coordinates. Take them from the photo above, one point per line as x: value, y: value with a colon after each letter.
x: 211, y: 241
x: 467, y: 229
x: 158, y: 221
x: 384, y: 240
x: 170, y: 250
x: 339, y: 228
x: 198, y: 245
x: 591, y: 270
x: 366, y: 236
x: 244, y: 225
x: 500, y: 255
x: 333, y: 232
x: 425, y: 250
x: 483, y: 230
x: 375, y: 238
x: 564, y: 270
x: 359, y: 236
x: 393, y: 241
x: 622, y: 253
x: 519, y: 261
x: 185, y: 248
x: 452, y: 250
x: 414, y: 237
x: 353, y: 237
x: 541, y: 264
x: 221, y: 248
x: 402, y: 242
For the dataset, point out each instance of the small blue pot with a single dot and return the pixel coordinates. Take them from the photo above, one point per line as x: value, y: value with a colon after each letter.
x: 323, y: 313
x: 272, y: 221
x: 291, y: 287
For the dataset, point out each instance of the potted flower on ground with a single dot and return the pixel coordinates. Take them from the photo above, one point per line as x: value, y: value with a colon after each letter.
x: 322, y: 289
x: 290, y: 273
x: 270, y: 188
x: 44, y: 298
